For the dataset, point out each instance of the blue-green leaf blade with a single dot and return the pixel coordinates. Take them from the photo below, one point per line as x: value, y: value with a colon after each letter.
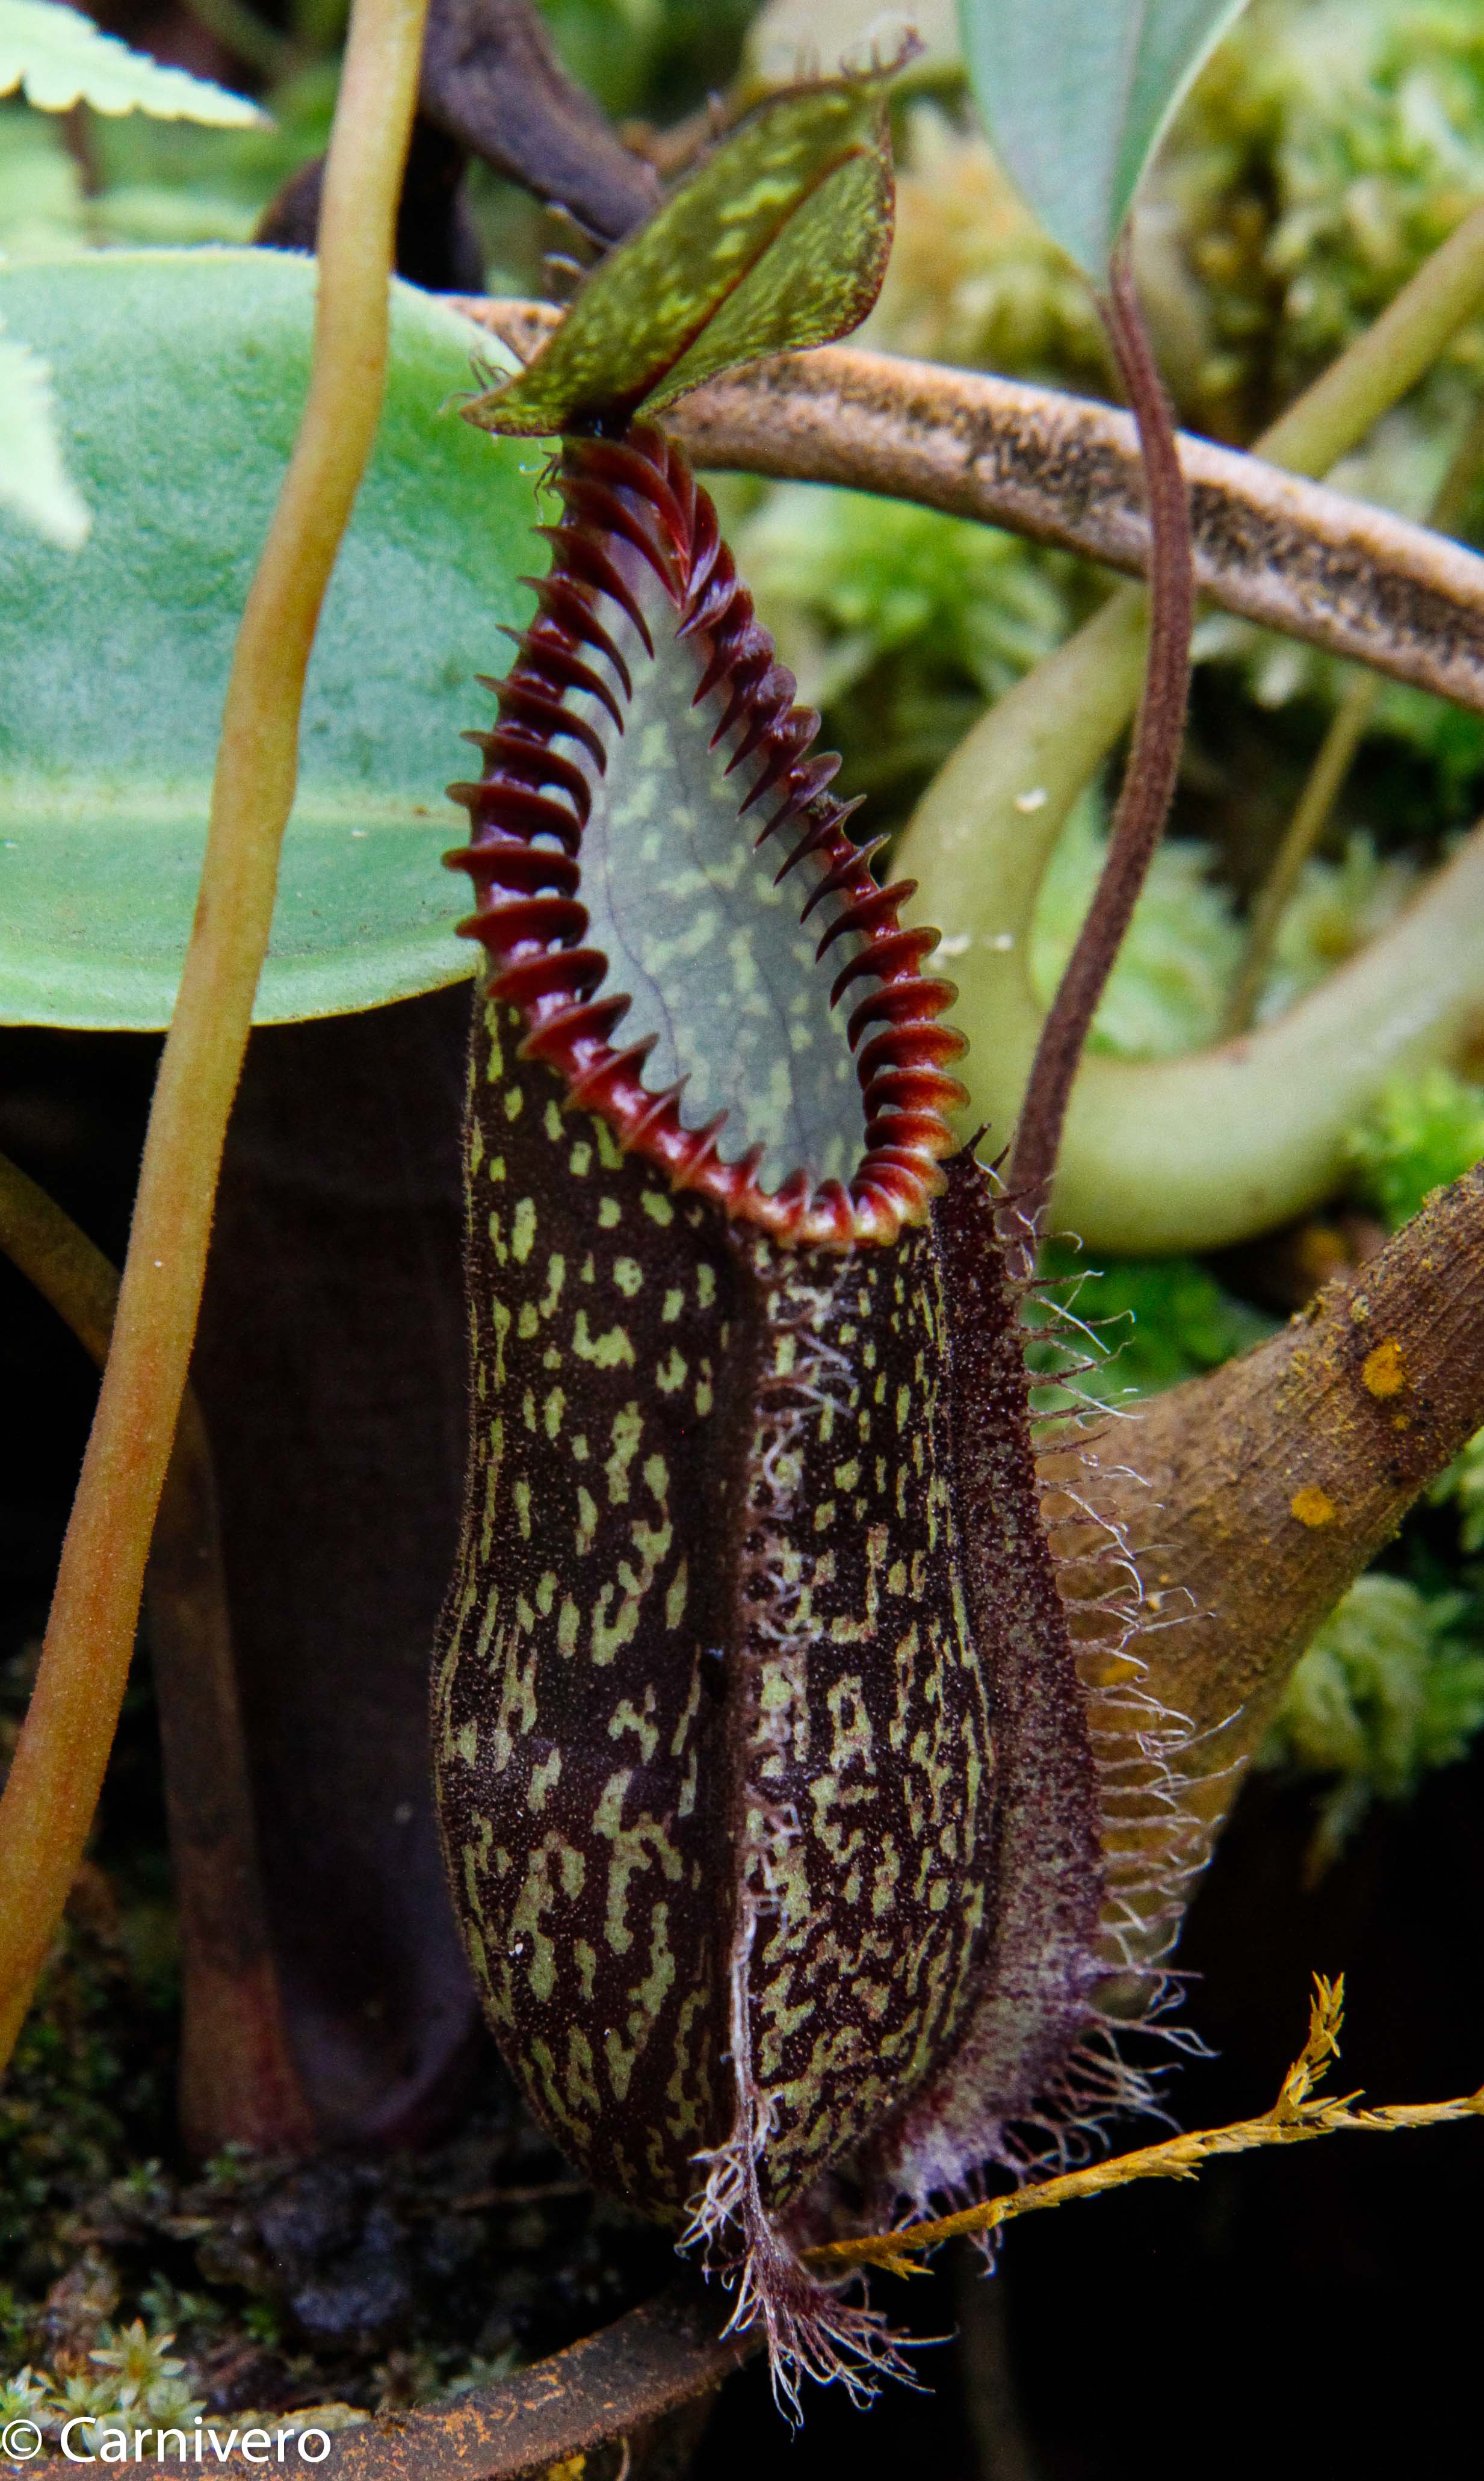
x: 1076, y: 95
x: 179, y: 378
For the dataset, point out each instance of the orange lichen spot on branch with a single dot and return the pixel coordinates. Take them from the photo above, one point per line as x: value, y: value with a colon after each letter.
x: 1384, y: 1372
x: 1312, y: 1505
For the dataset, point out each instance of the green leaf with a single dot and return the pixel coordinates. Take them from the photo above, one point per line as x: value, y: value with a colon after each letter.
x: 778, y: 241
x: 33, y: 477
x: 1076, y: 95
x: 59, y: 58
x: 180, y: 376
x: 806, y: 289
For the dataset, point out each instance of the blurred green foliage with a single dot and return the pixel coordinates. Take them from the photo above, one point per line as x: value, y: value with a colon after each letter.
x: 854, y: 578
x: 1169, y: 987
x: 651, y: 59
x: 1462, y: 1486
x: 1424, y: 1132
x: 1328, y: 148
x: 1168, y: 991
x: 1149, y: 1321
x: 898, y: 622
x: 1392, y: 1688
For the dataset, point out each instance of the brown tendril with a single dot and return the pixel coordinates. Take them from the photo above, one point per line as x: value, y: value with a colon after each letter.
x: 1148, y: 781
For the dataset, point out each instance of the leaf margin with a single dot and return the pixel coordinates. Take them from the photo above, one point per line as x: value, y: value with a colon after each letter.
x: 56, y: 57
x: 1001, y: 52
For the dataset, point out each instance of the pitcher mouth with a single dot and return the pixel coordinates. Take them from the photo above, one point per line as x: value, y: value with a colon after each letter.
x: 617, y: 839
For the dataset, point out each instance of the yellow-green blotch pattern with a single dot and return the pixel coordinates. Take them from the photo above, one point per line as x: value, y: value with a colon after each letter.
x: 707, y: 1661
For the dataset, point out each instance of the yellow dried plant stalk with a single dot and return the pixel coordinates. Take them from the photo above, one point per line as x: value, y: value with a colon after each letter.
x: 1296, y: 2116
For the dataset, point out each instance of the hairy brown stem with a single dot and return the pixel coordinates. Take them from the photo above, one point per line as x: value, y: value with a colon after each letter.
x: 1154, y: 762
x: 1287, y: 554
x: 238, y: 2078
x: 1254, y: 1495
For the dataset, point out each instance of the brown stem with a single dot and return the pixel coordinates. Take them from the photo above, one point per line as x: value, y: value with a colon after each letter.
x: 492, y: 86
x: 1154, y: 762
x: 47, y: 1804
x: 1290, y: 554
x: 613, y: 2385
x: 1254, y: 1495
x: 238, y: 2081
x: 492, y: 79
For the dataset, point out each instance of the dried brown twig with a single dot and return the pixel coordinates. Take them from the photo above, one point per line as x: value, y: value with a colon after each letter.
x: 1296, y: 2116
x: 1288, y: 554
x: 635, y: 2375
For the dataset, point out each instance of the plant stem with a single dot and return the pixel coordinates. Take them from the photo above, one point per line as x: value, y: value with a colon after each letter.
x: 1336, y: 754
x: 1296, y: 2118
x: 1202, y: 1151
x: 1064, y: 470
x: 63, y: 1264
x: 1347, y: 729
x: 1250, y: 1499
x: 1334, y: 414
x: 1148, y: 781
x: 238, y: 2079
x: 58, y: 1769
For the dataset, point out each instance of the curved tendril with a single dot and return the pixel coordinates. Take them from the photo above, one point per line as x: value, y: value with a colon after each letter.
x: 1214, y: 1148
x: 1154, y: 762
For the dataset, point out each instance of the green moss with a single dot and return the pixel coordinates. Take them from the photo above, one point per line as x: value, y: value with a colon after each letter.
x: 880, y: 575
x: 1167, y: 991
x: 1423, y: 1133
x: 1327, y: 150
x: 1392, y: 1688
x: 898, y: 621
x: 1336, y: 907
x: 88, y: 2089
